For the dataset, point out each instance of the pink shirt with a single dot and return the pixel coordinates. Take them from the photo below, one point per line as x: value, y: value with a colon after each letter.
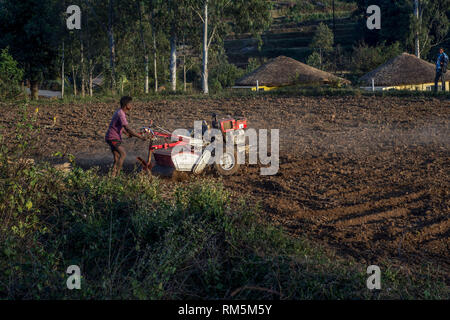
x: 119, y: 120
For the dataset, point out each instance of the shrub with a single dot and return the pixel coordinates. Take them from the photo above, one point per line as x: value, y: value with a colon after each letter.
x: 10, y: 75
x: 253, y: 64
x: 224, y: 75
x: 323, y: 43
x: 314, y: 60
x: 366, y: 58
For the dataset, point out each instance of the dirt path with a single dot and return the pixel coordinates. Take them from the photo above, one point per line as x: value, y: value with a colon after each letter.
x: 367, y: 176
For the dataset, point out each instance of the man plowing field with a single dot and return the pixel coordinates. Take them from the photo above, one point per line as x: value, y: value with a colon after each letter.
x: 193, y: 150
x: 180, y: 152
x: 113, y: 136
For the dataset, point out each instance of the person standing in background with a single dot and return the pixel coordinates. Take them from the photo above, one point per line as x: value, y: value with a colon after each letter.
x: 441, y: 69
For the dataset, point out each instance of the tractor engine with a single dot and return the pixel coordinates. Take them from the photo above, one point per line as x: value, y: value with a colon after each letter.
x: 191, y: 160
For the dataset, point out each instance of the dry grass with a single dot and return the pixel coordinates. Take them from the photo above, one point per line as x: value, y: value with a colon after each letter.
x: 401, y: 70
x: 284, y: 71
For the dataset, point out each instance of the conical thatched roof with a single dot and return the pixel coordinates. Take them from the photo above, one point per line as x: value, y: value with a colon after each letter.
x: 284, y: 71
x: 402, y: 70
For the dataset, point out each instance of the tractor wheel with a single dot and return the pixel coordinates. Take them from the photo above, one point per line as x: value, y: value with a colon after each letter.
x: 227, y: 165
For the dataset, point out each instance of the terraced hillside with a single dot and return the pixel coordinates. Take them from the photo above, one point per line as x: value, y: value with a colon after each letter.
x: 290, y: 37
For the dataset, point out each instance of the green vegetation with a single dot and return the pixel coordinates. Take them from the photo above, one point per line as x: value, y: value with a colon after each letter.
x: 136, y: 47
x: 400, y: 25
x: 304, y: 11
x: 136, y: 238
x: 224, y: 76
x: 366, y: 58
x: 291, y: 36
x: 323, y: 43
x: 31, y: 32
x: 10, y: 75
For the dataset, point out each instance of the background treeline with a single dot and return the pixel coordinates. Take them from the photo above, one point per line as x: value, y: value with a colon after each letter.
x: 144, y: 46
x: 133, y: 45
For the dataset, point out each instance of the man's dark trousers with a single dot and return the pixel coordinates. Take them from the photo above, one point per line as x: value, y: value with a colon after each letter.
x: 439, y: 75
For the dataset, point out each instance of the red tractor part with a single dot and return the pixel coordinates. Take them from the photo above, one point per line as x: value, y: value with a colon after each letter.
x: 195, y: 156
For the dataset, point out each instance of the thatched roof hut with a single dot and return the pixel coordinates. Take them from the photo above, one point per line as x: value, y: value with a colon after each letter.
x: 284, y: 71
x: 405, y: 69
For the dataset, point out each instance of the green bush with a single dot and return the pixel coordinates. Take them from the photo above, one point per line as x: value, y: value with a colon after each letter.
x: 322, y: 44
x: 10, y: 75
x: 224, y: 75
x: 253, y: 64
x: 314, y: 60
x: 366, y: 58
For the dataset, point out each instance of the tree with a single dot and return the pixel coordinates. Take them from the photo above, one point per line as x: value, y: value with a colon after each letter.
x: 10, y: 75
x: 174, y: 18
x: 429, y: 25
x: 366, y: 58
x: 314, y: 60
x: 323, y: 41
x: 95, y: 44
x: 112, y: 44
x: 419, y: 30
x: 220, y: 17
x: 32, y: 33
x: 144, y: 46
x: 395, y: 21
x: 416, y: 34
x: 103, y: 12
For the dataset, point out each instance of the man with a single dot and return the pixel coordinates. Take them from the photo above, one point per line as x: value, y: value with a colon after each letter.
x: 441, y: 69
x: 113, y: 136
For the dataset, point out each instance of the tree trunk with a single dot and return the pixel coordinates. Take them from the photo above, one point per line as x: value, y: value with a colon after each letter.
x: 416, y: 40
x: 34, y: 88
x: 90, y: 62
x: 144, y: 47
x: 112, y: 46
x: 205, y: 86
x: 146, y: 74
x: 74, y: 79
x: 173, y: 62
x: 91, y: 92
x: 155, y: 63
x: 184, y: 72
x: 83, y: 88
x: 320, y: 58
x: 62, y: 73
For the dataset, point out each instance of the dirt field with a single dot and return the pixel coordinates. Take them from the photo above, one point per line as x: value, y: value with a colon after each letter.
x: 366, y: 176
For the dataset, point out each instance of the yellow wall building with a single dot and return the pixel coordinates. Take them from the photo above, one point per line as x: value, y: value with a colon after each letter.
x: 404, y: 72
x: 415, y: 87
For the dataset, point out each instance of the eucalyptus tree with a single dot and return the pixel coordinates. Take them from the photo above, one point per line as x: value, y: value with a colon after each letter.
x: 220, y: 18
x: 430, y: 25
x: 175, y: 19
x: 419, y: 24
x: 142, y: 26
x: 105, y: 18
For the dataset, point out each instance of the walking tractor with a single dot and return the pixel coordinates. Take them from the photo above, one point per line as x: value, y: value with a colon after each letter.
x: 186, y: 153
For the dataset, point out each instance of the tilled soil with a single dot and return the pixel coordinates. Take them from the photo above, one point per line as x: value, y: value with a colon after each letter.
x: 367, y: 176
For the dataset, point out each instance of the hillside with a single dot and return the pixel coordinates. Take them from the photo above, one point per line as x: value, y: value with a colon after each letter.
x: 292, y: 30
